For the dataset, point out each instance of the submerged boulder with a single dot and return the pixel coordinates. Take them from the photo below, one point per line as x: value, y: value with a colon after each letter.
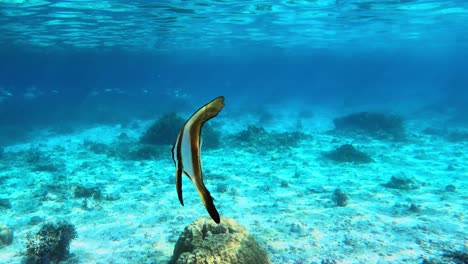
x: 204, y: 242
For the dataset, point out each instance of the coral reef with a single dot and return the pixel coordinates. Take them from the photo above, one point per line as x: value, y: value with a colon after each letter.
x: 255, y: 136
x: 252, y: 133
x: 340, y: 198
x: 401, y: 184
x: 6, y: 235
x: 211, y: 138
x: 374, y: 124
x: 163, y: 131
x: 51, y: 244
x: 205, y: 242
x: 347, y: 153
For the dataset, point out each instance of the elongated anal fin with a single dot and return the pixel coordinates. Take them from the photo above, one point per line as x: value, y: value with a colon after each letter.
x: 179, y: 185
x: 208, y: 202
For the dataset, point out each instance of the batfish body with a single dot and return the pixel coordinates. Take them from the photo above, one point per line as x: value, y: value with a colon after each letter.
x: 186, y: 154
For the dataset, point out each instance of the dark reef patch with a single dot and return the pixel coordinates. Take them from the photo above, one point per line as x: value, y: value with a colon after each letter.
x: 373, y: 124
x: 84, y: 192
x: 163, y: 131
x: 348, y: 153
x: 340, y: 198
x: 259, y: 137
x: 401, y: 183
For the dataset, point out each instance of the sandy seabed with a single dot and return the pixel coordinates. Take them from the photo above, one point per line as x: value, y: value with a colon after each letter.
x: 281, y: 194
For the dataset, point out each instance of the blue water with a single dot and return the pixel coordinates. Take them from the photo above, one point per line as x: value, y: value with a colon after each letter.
x: 318, y: 51
x: 90, y: 63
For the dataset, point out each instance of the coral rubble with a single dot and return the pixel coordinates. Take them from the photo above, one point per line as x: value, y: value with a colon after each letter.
x: 228, y: 242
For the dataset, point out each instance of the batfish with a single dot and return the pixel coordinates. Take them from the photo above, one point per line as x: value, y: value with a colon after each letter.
x: 186, y: 154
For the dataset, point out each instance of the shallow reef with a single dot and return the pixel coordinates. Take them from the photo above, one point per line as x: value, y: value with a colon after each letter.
x: 348, y: 153
x: 210, y: 136
x: 163, y: 131
x: 51, y: 244
x: 375, y: 124
x: 259, y: 137
x: 203, y: 241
